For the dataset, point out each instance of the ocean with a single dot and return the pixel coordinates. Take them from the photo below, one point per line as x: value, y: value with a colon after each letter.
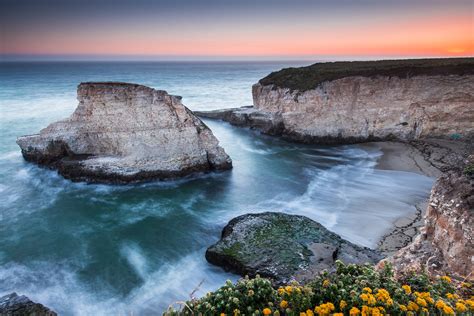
x: 136, y: 249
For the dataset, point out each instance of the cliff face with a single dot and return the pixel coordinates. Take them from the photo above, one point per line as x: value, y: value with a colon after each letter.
x: 123, y: 133
x: 357, y: 109
x: 446, y: 245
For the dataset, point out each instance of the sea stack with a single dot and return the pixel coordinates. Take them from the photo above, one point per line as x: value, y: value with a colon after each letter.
x: 121, y: 133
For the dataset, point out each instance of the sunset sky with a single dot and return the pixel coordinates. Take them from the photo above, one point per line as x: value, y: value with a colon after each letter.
x: 235, y: 28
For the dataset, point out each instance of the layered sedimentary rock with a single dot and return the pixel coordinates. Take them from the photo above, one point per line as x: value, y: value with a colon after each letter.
x: 282, y: 247
x: 15, y: 305
x: 446, y: 244
x: 346, y: 102
x: 124, y: 132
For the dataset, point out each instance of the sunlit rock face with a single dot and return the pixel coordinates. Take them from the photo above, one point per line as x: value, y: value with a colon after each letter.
x: 371, y: 100
x: 123, y: 132
x: 356, y: 109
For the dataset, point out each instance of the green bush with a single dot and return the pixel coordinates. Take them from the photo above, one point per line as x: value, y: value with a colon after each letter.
x: 352, y: 290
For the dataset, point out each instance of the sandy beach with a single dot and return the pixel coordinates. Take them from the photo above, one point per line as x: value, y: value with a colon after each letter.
x: 403, y: 157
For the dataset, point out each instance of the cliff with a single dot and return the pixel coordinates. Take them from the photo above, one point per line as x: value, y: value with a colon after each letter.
x: 349, y: 102
x: 446, y: 243
x: 124, y: 132
x: 371, y: 100
x: 428, y: 103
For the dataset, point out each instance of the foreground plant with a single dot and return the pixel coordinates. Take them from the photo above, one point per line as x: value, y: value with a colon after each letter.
x: 354, y: 290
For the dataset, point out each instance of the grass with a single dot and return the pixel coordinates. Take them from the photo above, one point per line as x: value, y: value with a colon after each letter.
x: 307, y: 78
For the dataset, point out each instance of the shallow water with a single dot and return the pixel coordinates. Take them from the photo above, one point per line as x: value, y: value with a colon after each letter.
x: 100, y: 250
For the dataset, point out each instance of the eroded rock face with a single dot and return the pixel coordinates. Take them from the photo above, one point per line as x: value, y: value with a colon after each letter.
x: 358, y: 109
x: 282, y: 247
x: 124, y: 132
x: 446, y: 244
x: 14, y: 305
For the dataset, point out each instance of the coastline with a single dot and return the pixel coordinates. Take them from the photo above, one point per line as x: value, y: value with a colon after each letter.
x: 403, y: 157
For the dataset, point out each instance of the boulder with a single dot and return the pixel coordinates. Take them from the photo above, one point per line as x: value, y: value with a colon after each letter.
x: 283, y: 247
x: 14, y: 305
x: 122, y: 132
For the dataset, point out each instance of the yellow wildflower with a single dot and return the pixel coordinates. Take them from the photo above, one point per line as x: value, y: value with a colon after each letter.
x: 445, y: 278
x: 440, y: 304
x: 342, y: 305
x: 267, y: 311
x: 402, y: 307
x: 452, y: 296
x: 338, y: 314
x: 425, y: 311
x: 407, y: 288
x: 284, y: 304
x: 309, y: 312
x: 326, y: 283
x: 421, y: 302
x: 354, y: 311
x: 367, y: 289
x: 412, y: 306
x: 288, y: 289
x: 302, y: 314
x: 330, y: 306
x: 281, y: 291
x: 222, y: 314
x: 448, y: 310
x: 461, y: 308
x: 470, y: 303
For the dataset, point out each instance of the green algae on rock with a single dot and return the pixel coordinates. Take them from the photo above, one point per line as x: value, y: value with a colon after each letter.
x: 282, y: 247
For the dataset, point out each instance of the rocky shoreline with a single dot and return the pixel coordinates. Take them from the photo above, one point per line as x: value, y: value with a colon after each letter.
x: 432, y: 157
x: 430, y: 117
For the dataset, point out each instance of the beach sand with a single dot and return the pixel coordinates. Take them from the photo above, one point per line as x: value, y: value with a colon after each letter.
x: 403, y: 157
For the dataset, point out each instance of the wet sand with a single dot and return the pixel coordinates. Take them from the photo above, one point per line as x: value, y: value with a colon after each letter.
x: 403, y: 157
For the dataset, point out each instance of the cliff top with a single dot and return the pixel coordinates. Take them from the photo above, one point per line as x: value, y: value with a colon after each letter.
x: 309, y: 77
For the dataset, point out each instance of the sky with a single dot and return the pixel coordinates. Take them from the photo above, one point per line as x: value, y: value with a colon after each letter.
x: 261, y: 29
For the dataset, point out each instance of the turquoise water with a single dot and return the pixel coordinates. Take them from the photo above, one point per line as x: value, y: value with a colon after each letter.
x: 101, y: 250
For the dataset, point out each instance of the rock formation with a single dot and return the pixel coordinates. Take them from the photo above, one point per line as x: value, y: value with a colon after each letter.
x: 347, y: 102
x: 14, y: 305
x: 446, y: 244
x: 123, y: 133
x: 428, y: 103
x: 282, y: 247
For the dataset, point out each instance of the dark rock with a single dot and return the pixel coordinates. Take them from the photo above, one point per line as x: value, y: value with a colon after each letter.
x: 14, y: 305
x: 282, y: 247
x: 248, y: 116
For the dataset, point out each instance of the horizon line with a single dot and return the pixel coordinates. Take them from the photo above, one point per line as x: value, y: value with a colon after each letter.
x: 208, y: 58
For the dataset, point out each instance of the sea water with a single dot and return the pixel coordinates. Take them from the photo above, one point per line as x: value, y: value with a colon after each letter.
x: 135, y: 249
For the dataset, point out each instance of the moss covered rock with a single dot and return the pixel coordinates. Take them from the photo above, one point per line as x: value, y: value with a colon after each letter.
x: 282, y: 247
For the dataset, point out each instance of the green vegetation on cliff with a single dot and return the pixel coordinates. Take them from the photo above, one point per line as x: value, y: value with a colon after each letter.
x: 307, y: 78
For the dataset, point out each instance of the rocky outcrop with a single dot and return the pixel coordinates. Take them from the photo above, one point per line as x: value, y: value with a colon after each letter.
x: 282, y: 247
x: 428, y: 104
x: 123, y: 133
x: 446, y: 243
x: 14, y: 305
x: 351, y: 102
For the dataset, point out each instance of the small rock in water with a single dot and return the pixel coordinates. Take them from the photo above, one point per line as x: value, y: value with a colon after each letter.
x: 14, y: 305
x: 283, y: 247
